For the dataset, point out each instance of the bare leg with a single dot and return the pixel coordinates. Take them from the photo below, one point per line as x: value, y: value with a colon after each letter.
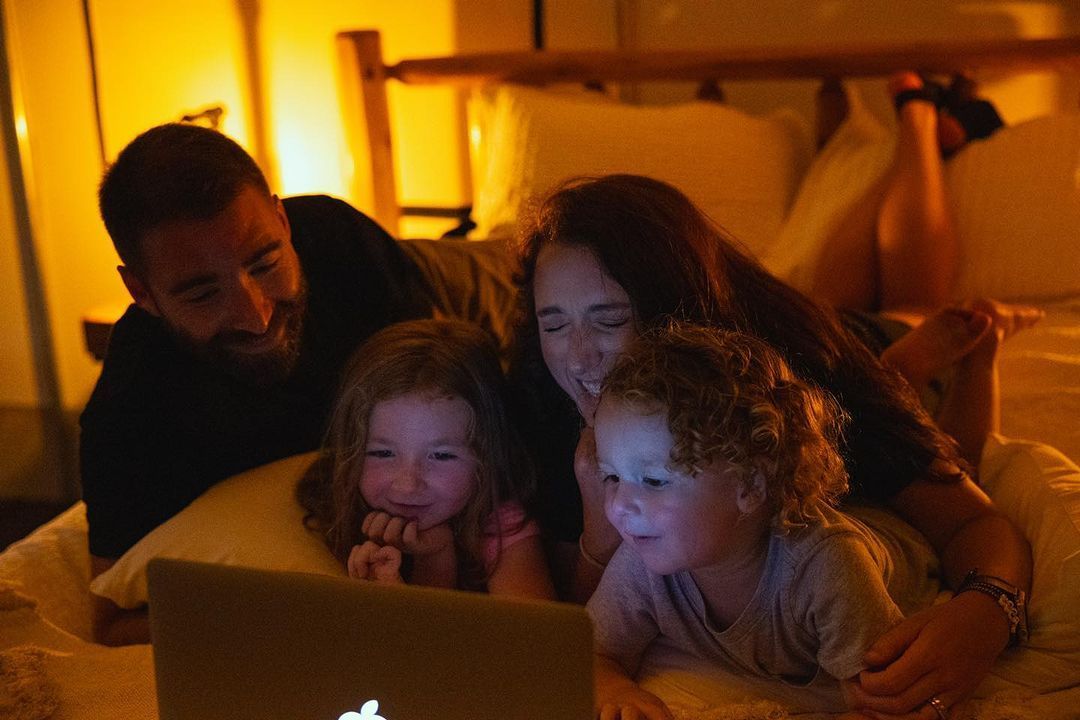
x: 896, y: 249
x: 969, y: 339
x: 918, y: 251
x: 971, y: 409
x: 846, y: 275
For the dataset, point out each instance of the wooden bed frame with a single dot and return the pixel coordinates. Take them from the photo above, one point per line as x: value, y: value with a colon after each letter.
x: 364, y: 75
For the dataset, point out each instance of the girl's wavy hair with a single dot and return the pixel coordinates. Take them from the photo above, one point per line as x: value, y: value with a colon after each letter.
x: 443, y: 358
x: 730, y: 397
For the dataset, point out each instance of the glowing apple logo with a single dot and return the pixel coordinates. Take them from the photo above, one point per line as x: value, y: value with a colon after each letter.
x: 368, y: 711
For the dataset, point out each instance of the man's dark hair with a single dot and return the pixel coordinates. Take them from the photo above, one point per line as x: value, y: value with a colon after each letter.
x: 172, y: 173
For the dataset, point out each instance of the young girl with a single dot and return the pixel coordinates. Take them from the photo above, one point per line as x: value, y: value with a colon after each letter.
x: 720, y: 473
x: 420, y: 476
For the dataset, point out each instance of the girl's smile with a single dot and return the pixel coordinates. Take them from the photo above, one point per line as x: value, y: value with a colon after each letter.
x: 419, y: 463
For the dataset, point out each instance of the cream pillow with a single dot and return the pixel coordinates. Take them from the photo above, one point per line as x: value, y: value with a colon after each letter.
x: 1016, y: 200
x: 1039, y: 489
x: 741, y: 170
x: 856, y: 156
x: 251, y: 520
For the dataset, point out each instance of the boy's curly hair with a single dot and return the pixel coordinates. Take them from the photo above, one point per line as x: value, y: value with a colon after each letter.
x: 731, y: 397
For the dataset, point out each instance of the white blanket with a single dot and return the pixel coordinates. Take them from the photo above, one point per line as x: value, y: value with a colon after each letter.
x: 1040, y: 380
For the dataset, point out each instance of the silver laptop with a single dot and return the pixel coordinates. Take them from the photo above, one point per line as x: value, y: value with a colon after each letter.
x: 235, y: 643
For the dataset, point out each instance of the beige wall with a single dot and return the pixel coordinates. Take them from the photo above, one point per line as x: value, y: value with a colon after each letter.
x: 158, y: 60
x: 48, y: 48
x: 16, y: 355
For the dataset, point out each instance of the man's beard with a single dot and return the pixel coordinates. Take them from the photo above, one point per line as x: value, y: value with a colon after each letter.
x: 272, y: 366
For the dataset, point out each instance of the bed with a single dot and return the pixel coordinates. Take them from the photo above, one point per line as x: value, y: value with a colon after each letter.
x: 781, y: 183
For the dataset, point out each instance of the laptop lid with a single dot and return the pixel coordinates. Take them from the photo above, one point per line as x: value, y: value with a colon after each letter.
x: 237, y: 643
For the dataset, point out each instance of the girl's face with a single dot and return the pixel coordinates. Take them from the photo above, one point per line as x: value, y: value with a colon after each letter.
x: 418, y: 462
x: 585, y: 321
x: 675, y: 522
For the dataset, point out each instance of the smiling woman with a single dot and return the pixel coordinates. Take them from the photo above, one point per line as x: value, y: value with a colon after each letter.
x: 645, y: 242
x: 585, y: 319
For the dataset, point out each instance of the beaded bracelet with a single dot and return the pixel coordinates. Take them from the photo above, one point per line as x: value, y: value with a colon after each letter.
x: 1011, y: 599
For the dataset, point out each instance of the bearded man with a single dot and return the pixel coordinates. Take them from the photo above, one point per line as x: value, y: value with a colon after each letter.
x: 246, y: 308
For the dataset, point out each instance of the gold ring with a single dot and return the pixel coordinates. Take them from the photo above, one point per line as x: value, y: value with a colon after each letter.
x: 939, y: 708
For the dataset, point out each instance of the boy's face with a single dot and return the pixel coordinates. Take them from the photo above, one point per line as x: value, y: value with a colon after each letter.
x: 230, y: 288
x: 675, y: 522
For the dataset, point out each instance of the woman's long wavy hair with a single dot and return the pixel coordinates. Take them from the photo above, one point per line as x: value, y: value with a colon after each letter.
x: 675, y: 264
x: 730, y: 397
x: 442, y: 358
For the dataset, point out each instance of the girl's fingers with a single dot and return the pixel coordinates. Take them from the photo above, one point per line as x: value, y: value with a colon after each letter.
x: 395, y: 526
x: 360, y: 560
x: 377, y: 526
x: 410, y: 535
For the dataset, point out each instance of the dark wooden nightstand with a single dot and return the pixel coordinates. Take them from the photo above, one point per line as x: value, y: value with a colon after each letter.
x: 97, y: 327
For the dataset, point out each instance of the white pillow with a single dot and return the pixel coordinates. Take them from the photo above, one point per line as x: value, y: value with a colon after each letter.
x: 741, y: 170
x: 251, y: 520
x: 856, y: 156
x: 1016, y: 200
x: 1038, y: 488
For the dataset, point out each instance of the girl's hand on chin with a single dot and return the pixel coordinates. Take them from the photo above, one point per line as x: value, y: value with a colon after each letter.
x: 379, y: 563
x: 406, y: 535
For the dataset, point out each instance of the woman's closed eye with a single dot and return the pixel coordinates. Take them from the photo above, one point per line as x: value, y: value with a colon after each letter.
x: 654, y: 482
x: 613, y: 323
x: 553, y: 326
x: 379, y: 453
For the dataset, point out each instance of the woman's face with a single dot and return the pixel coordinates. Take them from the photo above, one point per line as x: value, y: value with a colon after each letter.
x: 585, y: 320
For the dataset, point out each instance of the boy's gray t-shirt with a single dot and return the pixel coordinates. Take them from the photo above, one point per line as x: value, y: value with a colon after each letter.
x: 827, y: 593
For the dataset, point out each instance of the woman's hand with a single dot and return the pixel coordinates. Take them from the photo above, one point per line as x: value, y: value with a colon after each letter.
x: 379, y: 563
x: 620, y: 698
x: 943, y: 651
x: 406, y: 535
x: 599, y: 538
x: 634, y: 704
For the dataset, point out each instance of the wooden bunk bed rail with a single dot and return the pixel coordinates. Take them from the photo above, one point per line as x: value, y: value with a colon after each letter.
x: 364, y: 76
x: 802, y: 62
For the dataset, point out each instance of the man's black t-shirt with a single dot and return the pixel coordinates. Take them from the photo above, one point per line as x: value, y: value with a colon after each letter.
x: 161, y: 427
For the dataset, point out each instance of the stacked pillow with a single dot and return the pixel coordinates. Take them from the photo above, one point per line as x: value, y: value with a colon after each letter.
x: 742, y: 170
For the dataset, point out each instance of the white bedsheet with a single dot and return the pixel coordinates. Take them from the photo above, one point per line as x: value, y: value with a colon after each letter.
x: 1040, y: 380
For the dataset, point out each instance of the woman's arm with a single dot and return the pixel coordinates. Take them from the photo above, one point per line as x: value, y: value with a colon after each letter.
x: 522, y: 571
x: 946, y: 650
x: 599, y: 539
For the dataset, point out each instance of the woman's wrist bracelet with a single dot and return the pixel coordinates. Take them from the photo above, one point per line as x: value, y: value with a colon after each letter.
x: 1011, y: 599
x: 589, y: 557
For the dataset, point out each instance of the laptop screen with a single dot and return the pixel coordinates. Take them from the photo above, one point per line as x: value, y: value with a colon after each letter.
x: 239, y: 643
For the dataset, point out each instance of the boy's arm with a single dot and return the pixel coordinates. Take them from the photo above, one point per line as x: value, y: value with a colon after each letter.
x: 617, y: 696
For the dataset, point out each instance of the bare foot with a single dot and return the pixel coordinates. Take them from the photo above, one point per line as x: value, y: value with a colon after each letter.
x: 951, y: 335
x: 1007, y: 319
x: 938, y: 342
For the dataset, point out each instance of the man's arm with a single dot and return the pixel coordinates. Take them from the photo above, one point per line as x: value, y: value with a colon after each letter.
x: 113, y: 625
